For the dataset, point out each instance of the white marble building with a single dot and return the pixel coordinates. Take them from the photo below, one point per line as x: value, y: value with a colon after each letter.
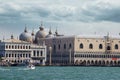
x: 20, y: 52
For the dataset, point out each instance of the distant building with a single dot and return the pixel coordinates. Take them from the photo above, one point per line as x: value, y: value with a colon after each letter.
x: 81, y: 50
x: 17, y: 51
x: 56, y: 49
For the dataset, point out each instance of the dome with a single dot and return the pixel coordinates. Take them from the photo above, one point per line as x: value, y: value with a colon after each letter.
x: 41, y: 33
x: 33, y: 38
x: 25, y: 36
x: 50, y: 35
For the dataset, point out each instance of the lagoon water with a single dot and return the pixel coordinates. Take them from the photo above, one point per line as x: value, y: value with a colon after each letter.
x: 60, y: 73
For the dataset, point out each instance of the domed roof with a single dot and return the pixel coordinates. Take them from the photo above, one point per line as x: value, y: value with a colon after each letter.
x: 25, y: 36
x: 41, y: 33
x: 50, y: 35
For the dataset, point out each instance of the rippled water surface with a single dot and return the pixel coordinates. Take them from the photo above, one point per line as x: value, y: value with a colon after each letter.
x: 60, y: 73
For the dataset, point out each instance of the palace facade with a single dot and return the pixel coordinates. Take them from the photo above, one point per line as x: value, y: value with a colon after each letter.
x: 56, y: 49
x: 94, y: 50
x: 18, y: 52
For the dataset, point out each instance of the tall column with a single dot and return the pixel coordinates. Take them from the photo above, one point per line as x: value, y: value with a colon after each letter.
x: 70, y: 56
x: 50, y: 53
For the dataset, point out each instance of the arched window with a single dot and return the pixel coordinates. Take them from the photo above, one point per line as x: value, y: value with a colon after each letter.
x: 6, y: 46
x: 81, y: 46
x: 108, y: 48
x: 100, y: 46
x: 12, y: 47
x: 70, y: 46
x: 59, y: 46
x: 26, y: 47
x: 18, y: 46
x: 29, y: 47
x: 23, y: 47
x: 54, y: 47
x: 9, y: 47
x: 64, y: 46
x: 41, y: 53
x: 34, y: 53
x: 116, y: 46
x: 15, y: 46
x: 29, y: 55
x: 37, y: 53
x: 90, y: 46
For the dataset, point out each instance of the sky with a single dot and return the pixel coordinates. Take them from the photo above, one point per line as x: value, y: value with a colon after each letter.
x: 69, y: 17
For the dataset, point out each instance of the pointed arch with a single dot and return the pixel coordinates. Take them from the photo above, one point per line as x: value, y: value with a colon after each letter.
x: 100, y: 46
x: 90, y: 46
x: 116, y: 46
x: 81, y: 46
x: 108, y: 48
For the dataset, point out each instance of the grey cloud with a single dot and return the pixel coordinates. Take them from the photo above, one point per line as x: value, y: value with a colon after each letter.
x: 99, y: 12
x: 11, y: 14
x: 93, y: 11
x: 37, y: 11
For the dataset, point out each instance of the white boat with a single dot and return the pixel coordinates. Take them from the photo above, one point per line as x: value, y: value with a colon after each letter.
x: 31, y: 66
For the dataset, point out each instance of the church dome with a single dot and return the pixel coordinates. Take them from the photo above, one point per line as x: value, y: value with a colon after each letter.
x: 25, y: 36
x: 41, y: 33
x: 50, y: 35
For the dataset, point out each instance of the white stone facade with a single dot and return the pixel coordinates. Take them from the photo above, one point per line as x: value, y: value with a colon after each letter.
x: 17, y: 51
x: 77, y: 50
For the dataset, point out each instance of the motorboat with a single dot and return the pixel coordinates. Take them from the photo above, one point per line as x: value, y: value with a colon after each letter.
x: 31, y: 66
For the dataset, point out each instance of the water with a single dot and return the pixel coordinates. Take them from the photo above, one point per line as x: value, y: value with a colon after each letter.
x: 60, y: 73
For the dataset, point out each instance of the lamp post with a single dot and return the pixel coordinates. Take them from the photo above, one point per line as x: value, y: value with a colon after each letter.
x: 50, y: 51
x: 70, y: 56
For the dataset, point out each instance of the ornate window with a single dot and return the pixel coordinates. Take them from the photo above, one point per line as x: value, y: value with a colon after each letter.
x: 9, y: 55
x: 23, y: 47
x: 29, y: 47
x: 70, y: 46
x: 64, y: 46
x: 15, y: 55
x: 37, y: 53
x: 18, y: 46
x: 12, y: 47
x: 59, y: 46
x: 34, y: 52
x: 100, y: 46
x: 108, y: 48
x: 23, y: 55
x: 26, y: 55
x: 81, y: 46
x: 9, y: 46
x: 26, y: 47
x: 15, y: 46
x: 90, y: 46
x: 12, y: 55
x: 116, y: 46
x: 41, y: 53
x: 29, y: 55
x: 6, y: 46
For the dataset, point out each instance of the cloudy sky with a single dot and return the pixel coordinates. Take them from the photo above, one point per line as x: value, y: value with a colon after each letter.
x: 70, y: 17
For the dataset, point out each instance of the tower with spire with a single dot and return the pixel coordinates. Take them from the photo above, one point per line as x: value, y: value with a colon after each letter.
x: 56, y: 32
x: 25, y: 28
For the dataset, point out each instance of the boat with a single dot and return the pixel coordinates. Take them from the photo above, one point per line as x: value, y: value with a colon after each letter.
x: 31, y: 66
